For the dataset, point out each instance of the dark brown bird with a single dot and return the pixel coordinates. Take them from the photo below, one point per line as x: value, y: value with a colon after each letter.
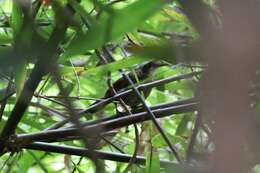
x: 130, y: 99
x: 122, y: 84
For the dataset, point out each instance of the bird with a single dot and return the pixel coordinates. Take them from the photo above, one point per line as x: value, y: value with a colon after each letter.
x: 130, y: 99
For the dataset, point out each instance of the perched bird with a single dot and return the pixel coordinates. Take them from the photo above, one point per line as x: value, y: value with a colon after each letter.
x: 122, y: 84
x: 131, y: 100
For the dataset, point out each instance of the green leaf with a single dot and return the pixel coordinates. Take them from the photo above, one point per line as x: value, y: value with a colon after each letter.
x: 112, y: 26
x: 81, y: 11
x: 17, y: 19
x: 37, y: 159
x: 5, y: 38
x: 26, y: 162
x: 20, y: 76
x: 159, y: 142
x: 182, y: 127
x: 115, y: 66
x: 68, y: 71
x: 161, y: 51
x: 152, y: 161
x: 22, y: 28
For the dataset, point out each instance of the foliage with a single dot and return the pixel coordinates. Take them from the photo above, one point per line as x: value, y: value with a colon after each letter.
x: 58, y: 58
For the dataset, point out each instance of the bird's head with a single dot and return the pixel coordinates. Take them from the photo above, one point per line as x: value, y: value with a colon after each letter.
x: 152, y: 66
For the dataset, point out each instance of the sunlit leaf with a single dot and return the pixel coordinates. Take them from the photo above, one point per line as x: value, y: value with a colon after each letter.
x: 68, y: 71
x: 4, y: 38
x: 113, y: 25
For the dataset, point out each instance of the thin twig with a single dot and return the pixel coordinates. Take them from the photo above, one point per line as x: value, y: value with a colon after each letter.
x: 49, y: 110
x: 73, y: 97
x: 195, y: 131
x: 49, y: 99
x: 112, y: 144
x: 80, y: 159
x: 38, y: 161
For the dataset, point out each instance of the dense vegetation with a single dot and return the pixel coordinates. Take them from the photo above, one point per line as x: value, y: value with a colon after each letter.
x: 129, y: 86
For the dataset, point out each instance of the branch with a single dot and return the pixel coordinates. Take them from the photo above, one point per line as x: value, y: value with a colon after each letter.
x: 141, y: 87
x: 38, y: 72
x: 111, y: 124
x: 41, y: 68
x: 152, y: 117
x: 41, y: 146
